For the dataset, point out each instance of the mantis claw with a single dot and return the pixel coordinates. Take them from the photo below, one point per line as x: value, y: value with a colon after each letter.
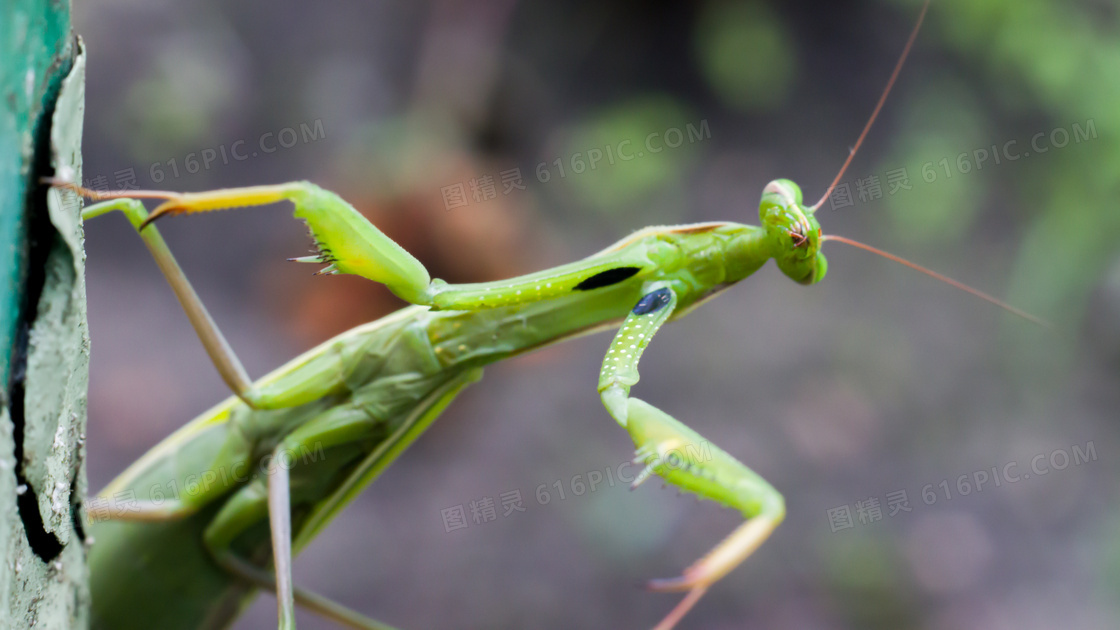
x: 677, y: 584
x: 646, y: 473
x: 165, y: 209
x: 682, y: 608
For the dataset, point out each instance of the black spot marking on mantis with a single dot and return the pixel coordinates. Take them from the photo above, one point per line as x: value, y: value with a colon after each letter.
x: 652, y: 302
x: 606, y: 278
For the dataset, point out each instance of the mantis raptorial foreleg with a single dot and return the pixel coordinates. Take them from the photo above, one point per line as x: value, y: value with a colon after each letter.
x: 348, y: 243
x: 681, y: 456
x: 311, y: 382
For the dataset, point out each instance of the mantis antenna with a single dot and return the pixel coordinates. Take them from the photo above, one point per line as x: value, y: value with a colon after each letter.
x: 878, y: 106
x: 851, y: 154
x: 933, y: 274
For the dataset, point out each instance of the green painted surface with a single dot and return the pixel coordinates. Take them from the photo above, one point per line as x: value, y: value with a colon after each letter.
x: 35, y: 54
x: 45, y: 349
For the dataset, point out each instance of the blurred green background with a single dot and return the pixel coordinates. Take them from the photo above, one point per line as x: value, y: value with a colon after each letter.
x: 875, y: 382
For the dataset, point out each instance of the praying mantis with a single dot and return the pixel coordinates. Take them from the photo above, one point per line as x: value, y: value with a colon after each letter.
x: 231, y: 491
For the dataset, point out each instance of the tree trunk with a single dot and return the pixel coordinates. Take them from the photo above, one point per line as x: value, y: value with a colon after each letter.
x: 44, y: 344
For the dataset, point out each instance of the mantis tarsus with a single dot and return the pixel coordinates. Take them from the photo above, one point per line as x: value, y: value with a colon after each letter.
x: 365, y: 395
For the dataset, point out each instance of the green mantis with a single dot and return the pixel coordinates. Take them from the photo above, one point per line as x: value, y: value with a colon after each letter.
x: 232, y: 496
x: 365, y: 395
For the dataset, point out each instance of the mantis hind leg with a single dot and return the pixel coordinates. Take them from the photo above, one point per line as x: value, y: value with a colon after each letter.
x: 261, y: 499
x: 268, y: 498
x: 248, y: 507
x: 223, y: 357
x: 682, y: 456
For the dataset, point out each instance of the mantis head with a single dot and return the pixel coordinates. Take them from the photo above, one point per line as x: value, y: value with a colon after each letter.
x: 794, y: 235
x: 793, y: 232
x: 791, y: 229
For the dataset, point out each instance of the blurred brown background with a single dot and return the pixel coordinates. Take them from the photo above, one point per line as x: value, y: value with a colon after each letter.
x: 875, y: 382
